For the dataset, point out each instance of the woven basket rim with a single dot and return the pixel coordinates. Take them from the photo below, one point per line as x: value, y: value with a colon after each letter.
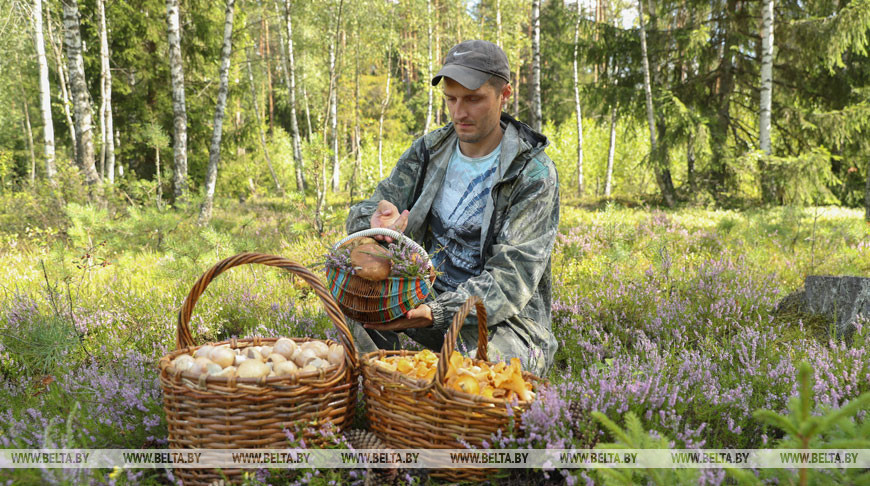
x: 367, y: 361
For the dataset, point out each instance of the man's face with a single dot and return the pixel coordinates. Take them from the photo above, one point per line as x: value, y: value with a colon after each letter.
x: 475, y: 114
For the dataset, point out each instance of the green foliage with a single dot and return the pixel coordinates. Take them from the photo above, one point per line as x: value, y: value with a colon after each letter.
x: 633, y: 436
x: 35, y: 343
x: 833, y: 429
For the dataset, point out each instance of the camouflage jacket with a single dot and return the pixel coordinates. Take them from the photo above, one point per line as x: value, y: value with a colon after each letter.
x: 519, y: 228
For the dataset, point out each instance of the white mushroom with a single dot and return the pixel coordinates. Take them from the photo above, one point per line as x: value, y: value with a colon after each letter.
x: 320, y: 348
x: 182, y: 363
x: 253, y: 368
x: 318, y: 363
x: 285, y: 347
x: 335, y: 354
x: 227, y: 372
x: 213, y: 368
x: 223, y: 356
x: 285, y: 368
x: 305, y: 356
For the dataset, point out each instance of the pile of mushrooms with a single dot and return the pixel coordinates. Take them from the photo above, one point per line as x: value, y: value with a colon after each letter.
x: 284, y: 358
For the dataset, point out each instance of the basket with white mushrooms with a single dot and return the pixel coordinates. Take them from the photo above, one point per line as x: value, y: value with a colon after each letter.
x: 249, y: 393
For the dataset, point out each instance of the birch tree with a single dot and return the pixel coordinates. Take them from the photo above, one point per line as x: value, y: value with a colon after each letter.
x: 79, y: 88
x: 577, y: 105
x: 107, y: 151
x: 537, y: 117
x: 179, y: 111
x: 291, y: 88
x: 498, y: 22
x: 428, y: 66
x: 766, y: 91
x: 333, y: 101
x: 214, y: 150
x: 384, y: 105
x: 44, y: 92
x: 611, y: 149
x: 62, y: 80
x: 28, y: 130
x: 357, y: 164
x: 260, y: 125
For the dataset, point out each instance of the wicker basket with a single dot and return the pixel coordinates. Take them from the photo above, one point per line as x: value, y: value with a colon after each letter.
x: 372, y: 302
x: 207, y: 412
x: 408, y: 413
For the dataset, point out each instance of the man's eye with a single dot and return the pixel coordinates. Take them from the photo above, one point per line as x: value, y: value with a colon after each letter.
x: 473, y: 99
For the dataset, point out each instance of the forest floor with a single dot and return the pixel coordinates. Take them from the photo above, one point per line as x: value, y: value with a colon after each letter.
x: 664, y: 315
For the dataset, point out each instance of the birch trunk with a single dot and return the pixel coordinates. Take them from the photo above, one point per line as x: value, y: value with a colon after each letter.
x: 294, y: 123
x: 260, y: 127
x: 333, y: 101
x: 537, y: 117
x: 662, y: 175
x: 384, y: 106
x: 107, y: 151
x: 25, y: 107
x: 179, y: 110
x: 269, y: 74
x: 611, y: 150
x: 62, y: 80
x: 356, y: 128
x: 767, y: 189
x: 867, y: 196
x: 159, y: 179
x: 307, y: 111
x: 498, y: 22
x: 690, y: 162
x: 577, y: 108
x: 214, y: 150
x: 428, y: 66
x: 766, y: 74
x: 79, y: 87
x: 44, y: 92
x: 333, y: 117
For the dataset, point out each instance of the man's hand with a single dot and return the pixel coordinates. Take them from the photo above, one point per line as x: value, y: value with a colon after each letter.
x: 387, y: 216
x: 414, y: 318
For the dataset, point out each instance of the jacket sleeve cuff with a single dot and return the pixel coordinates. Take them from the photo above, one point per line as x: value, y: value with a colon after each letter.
x: 440, y: 319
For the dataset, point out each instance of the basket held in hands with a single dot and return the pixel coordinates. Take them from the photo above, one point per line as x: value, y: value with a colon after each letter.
x: 371, y: 302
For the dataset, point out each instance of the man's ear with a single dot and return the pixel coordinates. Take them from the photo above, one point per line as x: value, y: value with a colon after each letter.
x: 506, y: 94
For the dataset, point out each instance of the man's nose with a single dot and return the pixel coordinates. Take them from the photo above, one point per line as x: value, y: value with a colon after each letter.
x: 459, y: 110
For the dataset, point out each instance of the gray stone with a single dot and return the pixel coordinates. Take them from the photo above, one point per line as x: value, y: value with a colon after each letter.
x: 843, y: 299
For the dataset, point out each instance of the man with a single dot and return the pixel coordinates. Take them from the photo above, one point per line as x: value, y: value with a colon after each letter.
x: 482, y: 197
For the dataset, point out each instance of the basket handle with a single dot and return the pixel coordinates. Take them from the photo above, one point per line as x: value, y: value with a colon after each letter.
x: 386, y: 232
x: 183, y: 337
x: 453, y: 334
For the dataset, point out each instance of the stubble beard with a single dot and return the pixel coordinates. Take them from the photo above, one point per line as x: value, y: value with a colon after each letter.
x: 475, y: 138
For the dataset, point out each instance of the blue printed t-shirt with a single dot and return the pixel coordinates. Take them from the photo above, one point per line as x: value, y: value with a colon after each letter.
x: 457, y: 217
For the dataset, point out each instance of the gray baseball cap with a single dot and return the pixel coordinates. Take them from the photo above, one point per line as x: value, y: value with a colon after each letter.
x: 471, y: 63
